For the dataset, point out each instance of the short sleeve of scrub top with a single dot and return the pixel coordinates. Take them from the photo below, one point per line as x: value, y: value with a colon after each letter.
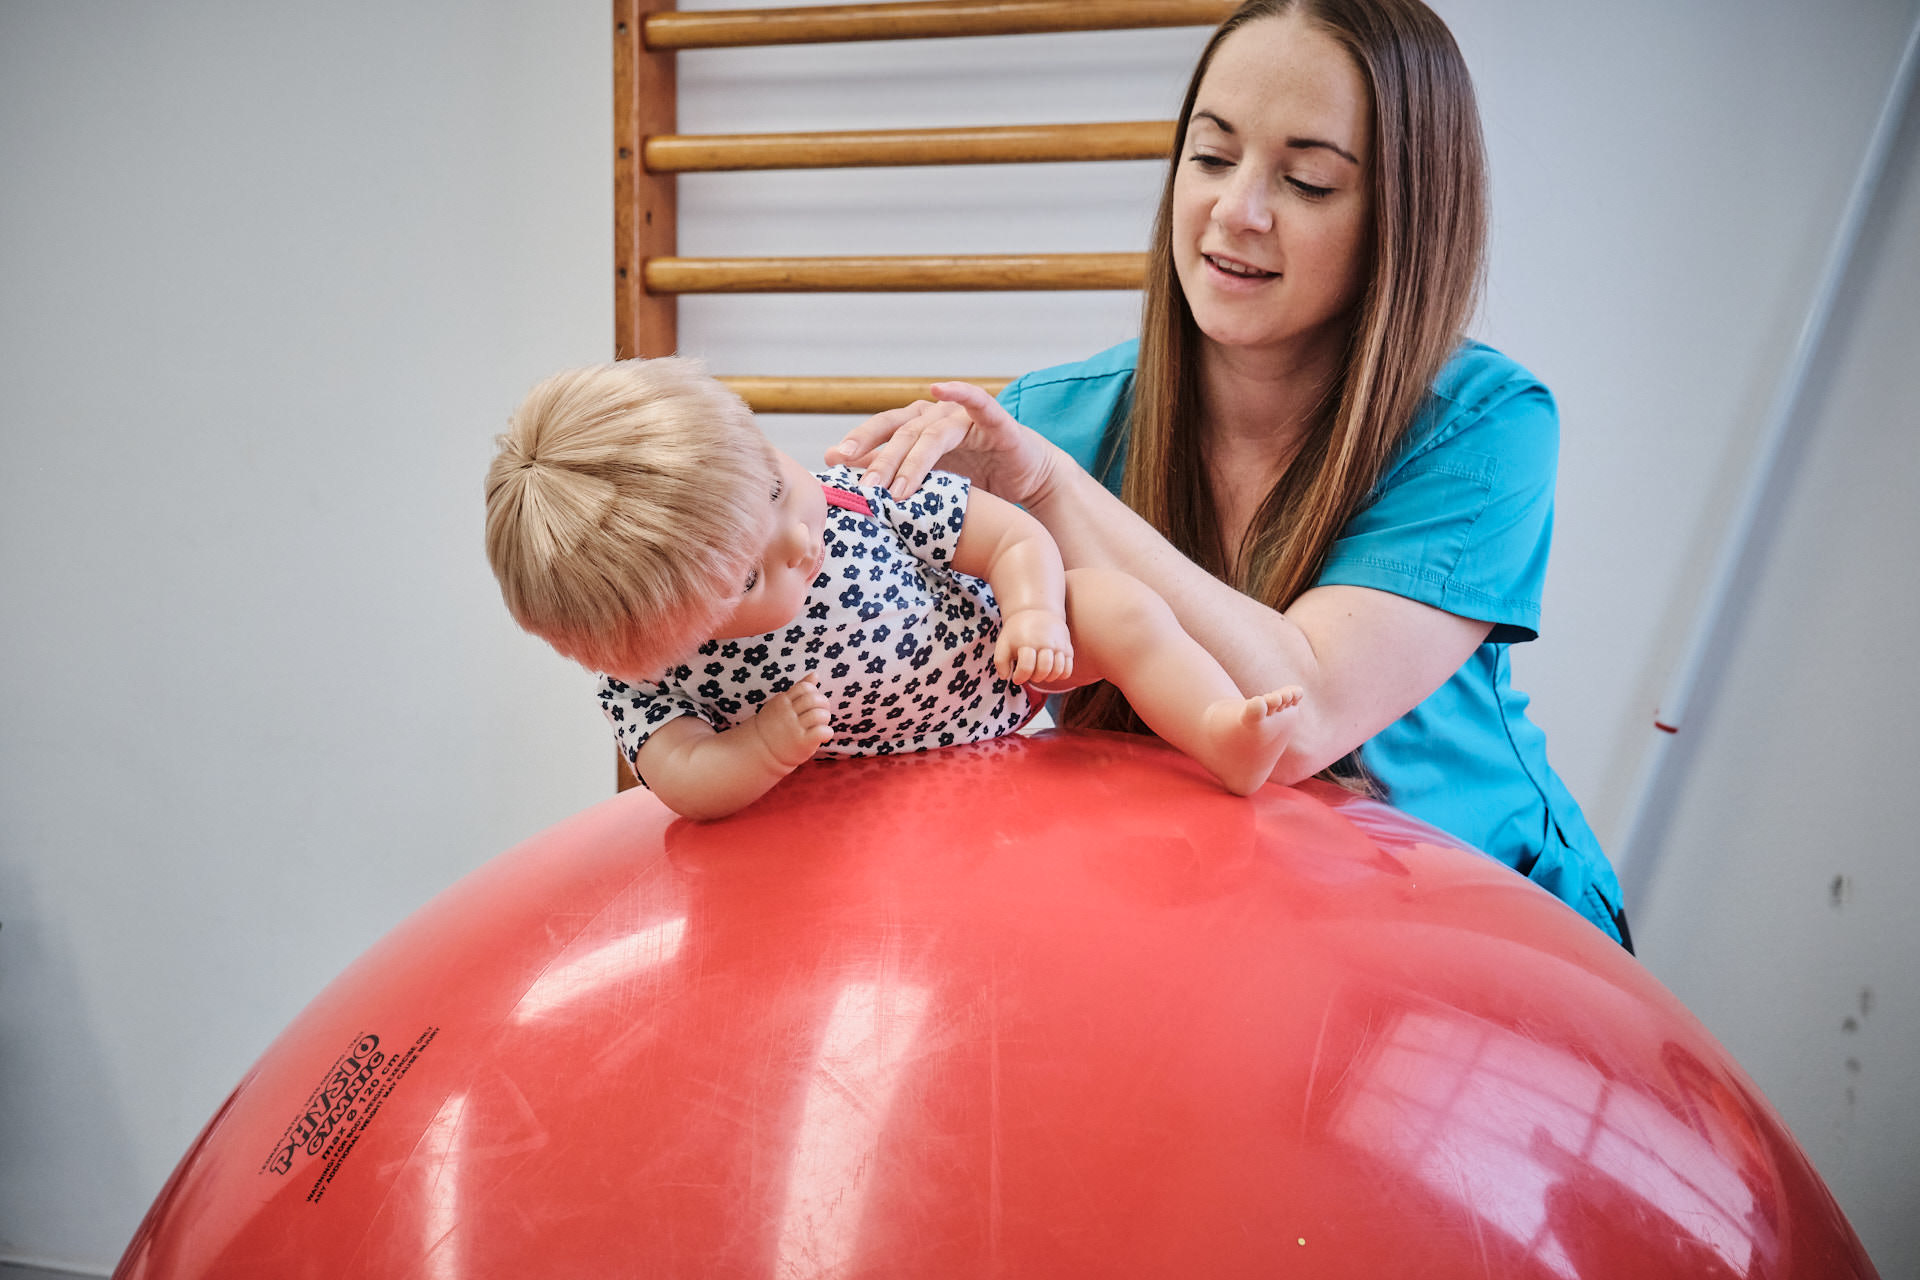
x: 1463, y: 518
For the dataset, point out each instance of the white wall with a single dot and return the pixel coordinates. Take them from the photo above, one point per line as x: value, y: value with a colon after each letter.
x: 270, y: 276
x: 1784, y: 909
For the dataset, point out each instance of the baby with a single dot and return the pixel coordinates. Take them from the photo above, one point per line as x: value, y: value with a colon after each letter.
x: 748, y: 614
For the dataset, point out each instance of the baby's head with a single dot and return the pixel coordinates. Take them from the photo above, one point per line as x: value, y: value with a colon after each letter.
x: 616, y: 509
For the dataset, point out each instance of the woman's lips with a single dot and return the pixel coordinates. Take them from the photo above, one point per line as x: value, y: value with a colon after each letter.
x: 1235, y: 269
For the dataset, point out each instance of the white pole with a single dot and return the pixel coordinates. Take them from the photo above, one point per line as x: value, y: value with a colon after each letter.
x: 1639, y: 850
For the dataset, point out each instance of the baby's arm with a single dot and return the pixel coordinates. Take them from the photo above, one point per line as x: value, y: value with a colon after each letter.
x: 703, y: 773
x: 1018, y: 558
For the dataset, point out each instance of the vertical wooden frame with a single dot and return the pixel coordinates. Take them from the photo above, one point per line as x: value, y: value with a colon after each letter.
x: 644, y: 106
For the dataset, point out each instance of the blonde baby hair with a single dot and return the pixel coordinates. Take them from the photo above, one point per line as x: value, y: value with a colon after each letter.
x: 616, y: 507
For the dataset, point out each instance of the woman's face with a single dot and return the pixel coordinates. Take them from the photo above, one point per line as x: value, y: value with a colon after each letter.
x: 1271, y: 197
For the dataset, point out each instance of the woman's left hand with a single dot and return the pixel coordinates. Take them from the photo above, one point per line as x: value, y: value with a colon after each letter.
x: 962, y: 429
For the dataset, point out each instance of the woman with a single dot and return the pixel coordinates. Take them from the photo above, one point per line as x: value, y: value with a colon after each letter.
x: 1302, y: 454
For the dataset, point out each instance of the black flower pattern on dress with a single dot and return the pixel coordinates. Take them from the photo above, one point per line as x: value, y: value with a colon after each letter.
x: 887, y: 603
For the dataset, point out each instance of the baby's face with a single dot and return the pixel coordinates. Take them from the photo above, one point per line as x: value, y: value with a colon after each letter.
x: 785, y: 552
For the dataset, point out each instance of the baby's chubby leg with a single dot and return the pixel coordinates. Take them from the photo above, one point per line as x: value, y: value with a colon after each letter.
x: 1125, y: 633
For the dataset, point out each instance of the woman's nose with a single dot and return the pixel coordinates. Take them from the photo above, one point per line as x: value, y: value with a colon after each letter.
x: 1242, y: 206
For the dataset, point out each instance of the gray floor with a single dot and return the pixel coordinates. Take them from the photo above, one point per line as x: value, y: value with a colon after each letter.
x: 11, y: 1271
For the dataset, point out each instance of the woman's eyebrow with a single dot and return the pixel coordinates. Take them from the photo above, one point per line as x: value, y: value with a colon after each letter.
x: 1293, y: 144
x: 1305, y: 144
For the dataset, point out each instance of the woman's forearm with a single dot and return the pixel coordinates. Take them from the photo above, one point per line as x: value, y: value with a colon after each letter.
x: 1364, y: 657
x: 1260, y: 648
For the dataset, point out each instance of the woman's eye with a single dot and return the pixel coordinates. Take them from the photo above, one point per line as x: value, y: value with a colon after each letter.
x: 1308, y: 190
x: 1210, y: 162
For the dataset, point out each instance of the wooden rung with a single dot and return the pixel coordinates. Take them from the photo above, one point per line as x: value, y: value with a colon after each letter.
x: 920, y: 19
x: 943, y: 274
x: 840, y: 395
x: 996, y: 144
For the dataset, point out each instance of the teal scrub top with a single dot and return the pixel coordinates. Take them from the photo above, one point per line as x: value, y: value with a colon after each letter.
x: 1460, y: 521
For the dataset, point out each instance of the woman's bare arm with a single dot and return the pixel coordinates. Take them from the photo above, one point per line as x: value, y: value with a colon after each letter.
x: 1364, y: 657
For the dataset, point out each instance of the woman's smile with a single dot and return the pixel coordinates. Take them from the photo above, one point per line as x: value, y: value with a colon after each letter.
x: 1238, y: 269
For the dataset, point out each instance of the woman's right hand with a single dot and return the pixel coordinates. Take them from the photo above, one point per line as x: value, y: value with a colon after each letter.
x: 962, y: 429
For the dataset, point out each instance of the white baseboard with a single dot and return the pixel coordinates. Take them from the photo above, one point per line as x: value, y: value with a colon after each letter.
x: 50, y: 1266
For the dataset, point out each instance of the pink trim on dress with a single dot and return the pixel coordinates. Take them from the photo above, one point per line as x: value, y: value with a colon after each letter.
x: 847, y: 501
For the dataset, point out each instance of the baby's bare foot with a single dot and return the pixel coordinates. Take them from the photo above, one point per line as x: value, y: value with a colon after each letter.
x: 1246, y: 737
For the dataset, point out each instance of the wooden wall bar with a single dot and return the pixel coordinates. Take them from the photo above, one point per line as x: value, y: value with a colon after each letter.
x: 644, y: 104
x: 921, y: 19
x: 841, y: 395
x: 995, y: 144
x: 903, y: 274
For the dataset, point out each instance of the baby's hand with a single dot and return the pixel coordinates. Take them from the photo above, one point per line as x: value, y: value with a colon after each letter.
x: 794, y: 723
x: 1034, y: 647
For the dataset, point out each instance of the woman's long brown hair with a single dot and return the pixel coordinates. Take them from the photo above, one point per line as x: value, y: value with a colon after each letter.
x: 1428, y: 176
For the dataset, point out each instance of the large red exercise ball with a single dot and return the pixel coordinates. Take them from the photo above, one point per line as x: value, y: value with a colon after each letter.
x: 1052, y: 1007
